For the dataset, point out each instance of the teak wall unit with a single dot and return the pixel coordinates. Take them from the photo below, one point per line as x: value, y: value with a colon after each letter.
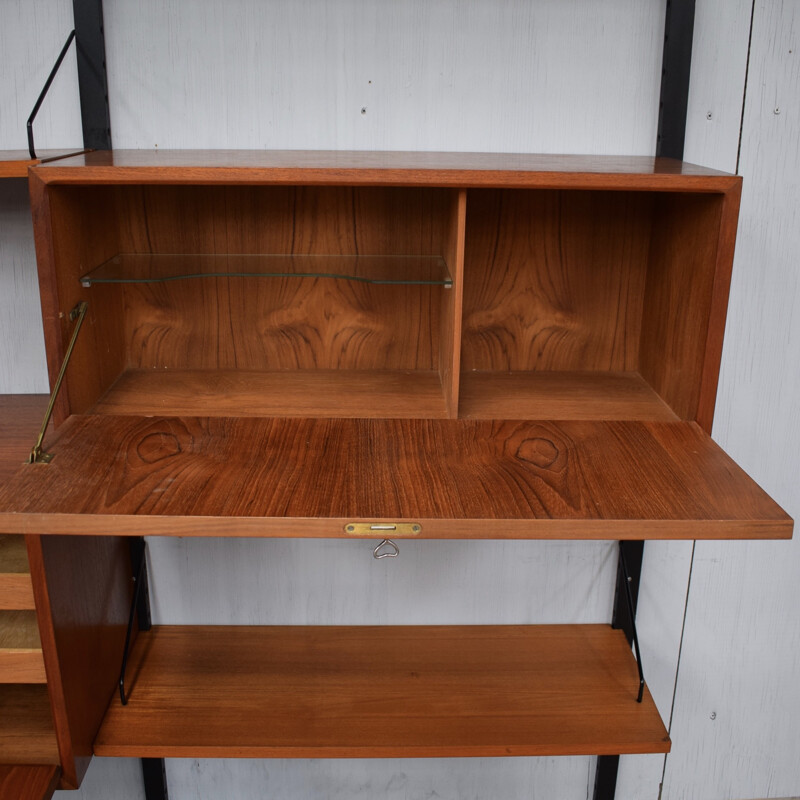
x: 302, y: 343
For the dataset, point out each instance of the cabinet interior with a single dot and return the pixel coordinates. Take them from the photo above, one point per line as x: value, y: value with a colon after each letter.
x: 409, y: 302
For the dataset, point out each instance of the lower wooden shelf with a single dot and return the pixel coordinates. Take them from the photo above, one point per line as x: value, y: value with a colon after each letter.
x: 296, y: 393
x: 21, y: 658
x: 16, y: 588
x: 352, y: 692
x: 27, y: 735
x: 575, y: 395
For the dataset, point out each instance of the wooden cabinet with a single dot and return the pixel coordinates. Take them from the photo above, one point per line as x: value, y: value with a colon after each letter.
x: 305, y: 344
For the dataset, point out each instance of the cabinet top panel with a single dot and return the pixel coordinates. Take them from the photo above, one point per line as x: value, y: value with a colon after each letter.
x: 385, y: 168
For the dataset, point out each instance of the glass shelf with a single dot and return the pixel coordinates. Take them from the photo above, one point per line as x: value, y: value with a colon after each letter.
x: 148, y: 268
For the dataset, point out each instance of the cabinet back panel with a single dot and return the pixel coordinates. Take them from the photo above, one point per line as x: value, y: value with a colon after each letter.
x: 277, y: 219
x: 553, y: 280
x: 281, y: 323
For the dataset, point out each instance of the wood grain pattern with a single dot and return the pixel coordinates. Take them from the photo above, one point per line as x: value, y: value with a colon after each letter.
x: 281, y: 323
x: 561, y: 395
x: 458, y: 478
x: 283, y: 393
x: 20, y: 648
x: 554, y: 280
x: 83, y: 590
x: 26, y: 735
x: 28, y: 782
x: 352, y: 692
x: 384, y: 168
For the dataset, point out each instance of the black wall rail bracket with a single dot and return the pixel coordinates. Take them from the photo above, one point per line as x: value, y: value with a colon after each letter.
x: 624, y: 585
x: 626, y: 598
x: 92, y: 76
x: 154, y: 774
x: 138, y: 601
x: 43, y: 93
x: 675, y: 71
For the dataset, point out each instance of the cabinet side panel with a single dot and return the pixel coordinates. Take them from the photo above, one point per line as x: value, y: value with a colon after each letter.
x: 554, y: 280
x: 719, y: 308
x: 48, y: 291
x: 452, y: 299
x: 83, y: 590
x: 84, y: 235
x: 684, y: 255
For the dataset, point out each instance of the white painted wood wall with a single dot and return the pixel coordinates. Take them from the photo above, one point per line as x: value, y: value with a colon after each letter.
x: 517, y: 75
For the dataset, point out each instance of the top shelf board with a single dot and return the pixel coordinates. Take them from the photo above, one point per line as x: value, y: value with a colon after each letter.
x: 362, y: 168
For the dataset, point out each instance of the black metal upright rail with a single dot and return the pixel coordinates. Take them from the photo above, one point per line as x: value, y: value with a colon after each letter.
x: 90, y: 43
x: 673, y: 104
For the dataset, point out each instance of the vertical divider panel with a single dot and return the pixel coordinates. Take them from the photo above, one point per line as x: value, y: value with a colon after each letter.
x: 452, y: 303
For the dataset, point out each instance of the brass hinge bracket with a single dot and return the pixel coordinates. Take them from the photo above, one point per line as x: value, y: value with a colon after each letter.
x: 38, y: 456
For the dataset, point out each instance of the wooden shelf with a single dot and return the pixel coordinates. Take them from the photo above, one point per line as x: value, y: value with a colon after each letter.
x: 16, y: 589
x: 381, y: 692
x: 28, y: 782
x: 15, y: 163
x: 299, y: 393
x: 21, y: 658
x: 561, y: 395
x: 26, y: 732
x: 224, y: 476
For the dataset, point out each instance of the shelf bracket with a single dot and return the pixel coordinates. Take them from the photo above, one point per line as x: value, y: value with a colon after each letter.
x: 38, y: 456
x: 44, y: 91
x: 139, y: 578
x: 626, y: 580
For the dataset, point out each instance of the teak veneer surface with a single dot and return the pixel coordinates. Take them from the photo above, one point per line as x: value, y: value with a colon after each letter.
x: 457, y: 478
x: 353, y: 692
x: 26, y: 732
x: 28, y: 782
x: 384, y: 168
